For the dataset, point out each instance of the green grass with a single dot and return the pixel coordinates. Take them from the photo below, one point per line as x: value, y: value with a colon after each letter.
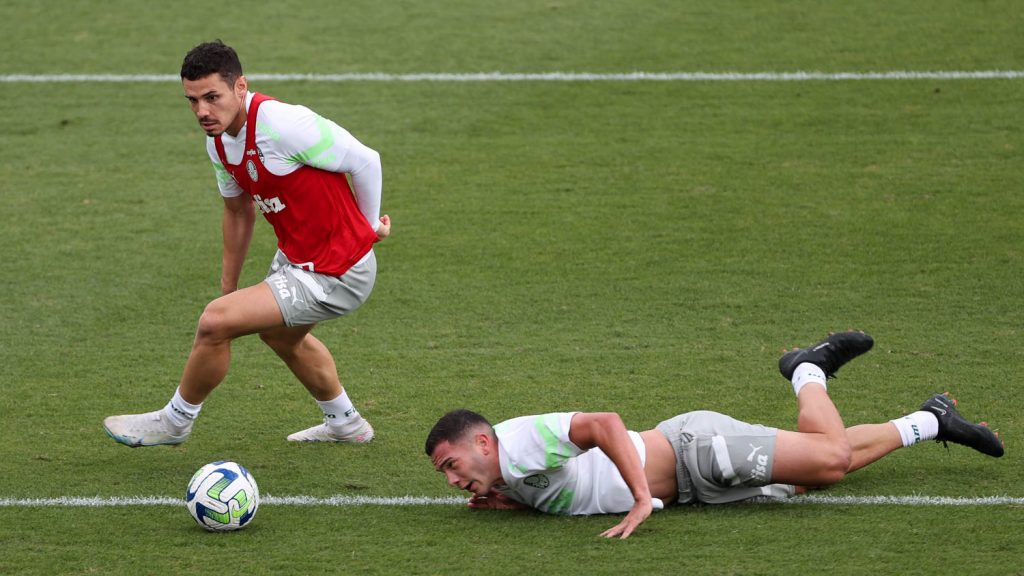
x: 642, y: 247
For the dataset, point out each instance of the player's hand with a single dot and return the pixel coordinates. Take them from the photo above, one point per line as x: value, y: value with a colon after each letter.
x: 640, y: 511
x: 384, y: 230
x: 494, y: 501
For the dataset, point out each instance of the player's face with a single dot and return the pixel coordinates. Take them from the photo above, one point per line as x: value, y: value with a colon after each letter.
x: 468, y: 464
x: 219, y: 107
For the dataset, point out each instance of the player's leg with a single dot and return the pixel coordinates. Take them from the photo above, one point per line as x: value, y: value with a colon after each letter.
x: 245, y: 311
x: 938, y: 419
x: 306, y: 298
x: 312, y: 363
x: 307, y: 357
x: 819, y: 452
x: 870, y: 442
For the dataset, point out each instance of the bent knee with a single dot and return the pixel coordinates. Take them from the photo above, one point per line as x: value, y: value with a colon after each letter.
x: 836, y: 463
x: 213, y: 324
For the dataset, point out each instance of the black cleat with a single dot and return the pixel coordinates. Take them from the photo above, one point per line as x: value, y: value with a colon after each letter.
x: 830, y: 354
x: 956, y: 429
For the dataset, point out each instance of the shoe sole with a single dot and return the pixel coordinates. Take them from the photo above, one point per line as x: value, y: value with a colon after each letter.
x: 131, y: 444
x: 332, y: 441
x: 357, y: 438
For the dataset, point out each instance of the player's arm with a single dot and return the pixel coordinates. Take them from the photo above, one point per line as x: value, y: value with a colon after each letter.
x: 237, y: 225
x: 315, y: 141
x: 606, y: 431
x: 362, y: 164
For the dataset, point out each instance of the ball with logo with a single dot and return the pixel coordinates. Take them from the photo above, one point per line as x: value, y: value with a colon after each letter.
x: 222, y: 496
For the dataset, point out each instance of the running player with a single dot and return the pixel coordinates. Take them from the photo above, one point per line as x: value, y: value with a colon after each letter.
x: 588, y: 463
x: 293, y: 166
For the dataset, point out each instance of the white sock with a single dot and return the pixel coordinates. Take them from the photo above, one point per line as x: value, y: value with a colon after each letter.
x: 806, y: 373
x: 339, y: 411
x: 180, y: 413
x: 916, y: 427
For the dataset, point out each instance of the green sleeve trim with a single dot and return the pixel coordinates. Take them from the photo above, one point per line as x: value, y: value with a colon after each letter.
x: 556, y: 452
x: 311, y: 155
x: 223, y: 177
x: 264, y: 128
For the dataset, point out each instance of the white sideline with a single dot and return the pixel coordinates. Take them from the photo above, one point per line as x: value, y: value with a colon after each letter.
x: 342, y: 500
x: 798, y: 76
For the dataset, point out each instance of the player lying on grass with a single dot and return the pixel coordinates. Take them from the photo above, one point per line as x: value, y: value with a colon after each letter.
x: 588, y: 463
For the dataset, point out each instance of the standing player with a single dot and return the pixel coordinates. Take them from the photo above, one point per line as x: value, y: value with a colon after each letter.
x: 588, y: 463
x: 291, y: 165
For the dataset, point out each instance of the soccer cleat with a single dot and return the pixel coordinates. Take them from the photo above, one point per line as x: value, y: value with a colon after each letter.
x: 359, y: 432
x: 830, y: 354
x: 149, y: 429
x: 956, y: 429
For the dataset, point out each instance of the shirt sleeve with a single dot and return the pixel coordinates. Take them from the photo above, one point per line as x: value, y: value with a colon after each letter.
x: 310, y: 139
x: 538, y: 442
x: 225, y: 183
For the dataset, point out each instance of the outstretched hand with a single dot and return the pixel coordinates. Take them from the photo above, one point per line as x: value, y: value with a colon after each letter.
x: 494, y: 501
x: 384, y: 230
x: 640, y: 511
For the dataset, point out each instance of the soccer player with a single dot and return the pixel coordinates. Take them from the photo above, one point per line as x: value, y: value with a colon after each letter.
x: 293, y: 166
x: 588, y: 463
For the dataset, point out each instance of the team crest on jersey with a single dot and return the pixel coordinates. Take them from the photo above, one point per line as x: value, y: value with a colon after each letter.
x: 250, y: 166
x: 537, y: 481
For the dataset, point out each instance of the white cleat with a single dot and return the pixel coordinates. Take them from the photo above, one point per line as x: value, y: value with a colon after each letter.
x: 359, y: 432
x: 149, y: 429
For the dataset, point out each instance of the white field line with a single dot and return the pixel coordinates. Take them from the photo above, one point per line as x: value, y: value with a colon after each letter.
x: 345, y: 501
x: 549, y: 76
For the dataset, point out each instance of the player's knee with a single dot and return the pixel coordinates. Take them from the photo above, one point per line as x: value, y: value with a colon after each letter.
x: 836, y: 463
x: 212, y: 324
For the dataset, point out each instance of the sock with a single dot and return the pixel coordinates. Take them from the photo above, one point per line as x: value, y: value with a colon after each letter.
x: 916, y: 427
x: 806, y: 373
x: 338, y: 412
x: 180, y: 413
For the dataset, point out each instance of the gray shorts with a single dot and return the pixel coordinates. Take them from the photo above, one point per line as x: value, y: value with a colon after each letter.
x: 720, y: 459
x: 308, y: 297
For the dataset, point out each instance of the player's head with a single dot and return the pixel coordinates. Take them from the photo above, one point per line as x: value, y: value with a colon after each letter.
x: 463, y: 447
x: 212, y: 58
x: 215, y: 87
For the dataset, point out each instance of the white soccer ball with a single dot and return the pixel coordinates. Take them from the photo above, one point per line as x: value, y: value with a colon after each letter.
x: 222, y: 496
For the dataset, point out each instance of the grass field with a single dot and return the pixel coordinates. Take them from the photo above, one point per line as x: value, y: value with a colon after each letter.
x: 645, y: 247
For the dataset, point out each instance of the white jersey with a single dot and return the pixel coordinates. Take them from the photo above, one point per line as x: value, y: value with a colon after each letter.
x: 543, y: 469
x: 290, y: 136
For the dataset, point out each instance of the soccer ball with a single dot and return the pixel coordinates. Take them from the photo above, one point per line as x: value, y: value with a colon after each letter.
x: 222, y: 496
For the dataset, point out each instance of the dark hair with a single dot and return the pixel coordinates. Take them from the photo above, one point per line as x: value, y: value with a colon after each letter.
x: 453, y: 426
x: 211, y: 58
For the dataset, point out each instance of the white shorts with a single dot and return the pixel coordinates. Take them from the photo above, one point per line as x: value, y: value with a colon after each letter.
x: 308, y: 297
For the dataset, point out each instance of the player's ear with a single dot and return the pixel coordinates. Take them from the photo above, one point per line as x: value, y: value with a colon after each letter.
x: 483, y: 442
x: 241, y: 85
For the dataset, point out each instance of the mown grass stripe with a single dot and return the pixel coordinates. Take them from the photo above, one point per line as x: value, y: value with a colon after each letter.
x: 798, y: 76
